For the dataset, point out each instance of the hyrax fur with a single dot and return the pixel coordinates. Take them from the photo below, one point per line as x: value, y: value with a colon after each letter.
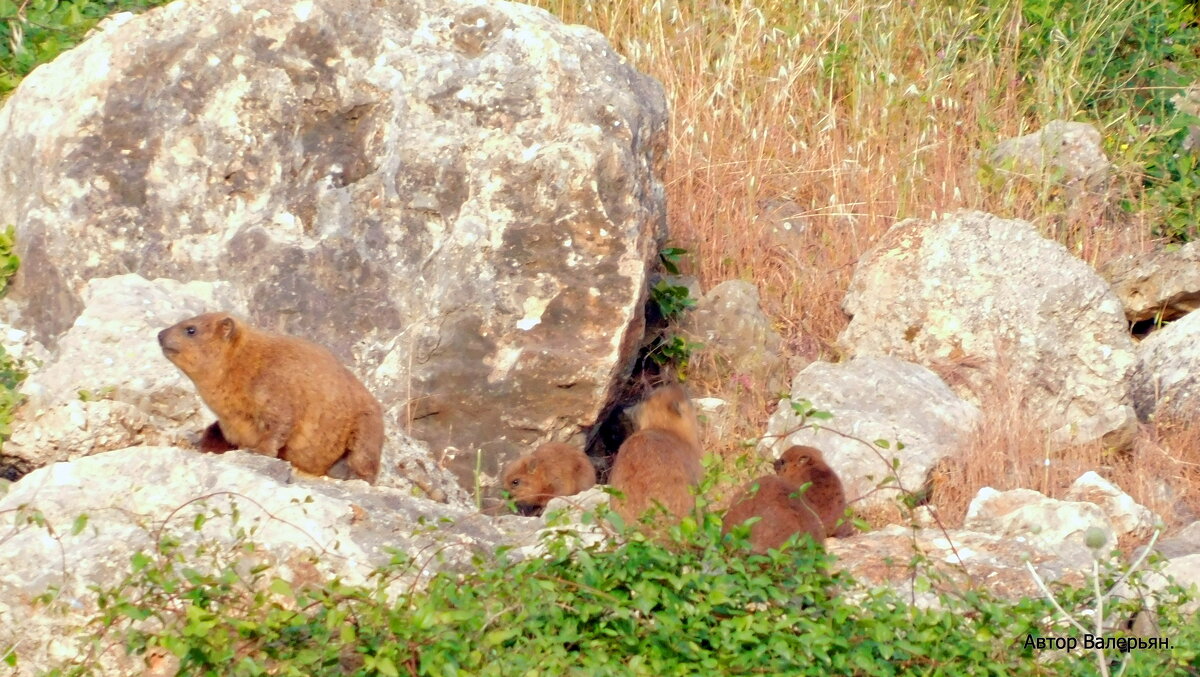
x: 278, y: 395
x: 806, y: 465
x: 553, y: 469
x: 782, y: 511
x: 660, y: 462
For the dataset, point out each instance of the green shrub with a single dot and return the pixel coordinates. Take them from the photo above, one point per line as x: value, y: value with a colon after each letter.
x: 1119, y: 63
x: 696, y: 605
x: 33, y: 32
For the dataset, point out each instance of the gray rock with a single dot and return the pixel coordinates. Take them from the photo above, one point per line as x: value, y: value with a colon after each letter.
x: 1186, y: 541
x: 784, y: 222
x: 959, y: 558
x: 1160, y: 284
x: 1166, y: 384
x: 738, y: 338
x: 307, y: 531
x: 975, y: 288
x: 461, y: 199
x: 106, y: 385
x: 874, y: 398
x: 1066, y: 153
x: 1029, y: 517
x: 1151, y: 589
x: 1127, y: 516
x: 1188, y: 103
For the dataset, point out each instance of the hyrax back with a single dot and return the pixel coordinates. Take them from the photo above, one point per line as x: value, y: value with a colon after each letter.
x: 553, y: 469
x: 783, y: 512
x: 804, y: 464
x: 660, y: 462
x: 278, y: 395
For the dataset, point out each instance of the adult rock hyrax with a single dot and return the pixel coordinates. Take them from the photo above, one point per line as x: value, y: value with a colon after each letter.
x: 781, y: 509
x: 278, y: 395
x: 553, y: 469
x: 660, y: 462
x: 806, y: 465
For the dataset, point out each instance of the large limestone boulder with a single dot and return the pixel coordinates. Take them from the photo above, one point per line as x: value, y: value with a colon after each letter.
x: 1160, y: 284
x: 460, y: 198
x: 972, y: 288
x: 1167, y: 381
x: 307, y: 531
x: 873, y: 399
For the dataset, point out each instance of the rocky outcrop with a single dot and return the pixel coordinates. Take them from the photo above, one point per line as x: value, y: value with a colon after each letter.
x: 874, y: 399
x: 459, y: 198
x: 306, y: 530
x: 737, y: 338
x: 1033, y: 520
x: 953, y: 560
x: 1067, y: 153
x: 1166, y: 384
x: 106, y: 385
x: 1160, y: 285
x: 1128, y: 517
x: 993, y: 295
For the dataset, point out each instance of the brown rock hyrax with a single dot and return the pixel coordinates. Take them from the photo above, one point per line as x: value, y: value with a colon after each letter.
x: 553, y: 469
x: 278, y: 395
x: 782, y: 509
x: 660, y: 462
x: 802, y: 465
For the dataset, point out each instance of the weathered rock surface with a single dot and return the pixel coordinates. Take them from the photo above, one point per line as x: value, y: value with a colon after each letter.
x: 460, y: 199
x: 975, y: 288
x: 1166, y: 383
x: 1186, y: 541
x: 1127, y: 516
x: 1067, y: 153
x: 874, y: 398
x: 784, y: 222
x: 1188, y: 103
x: 1026, y: 516
x: 308, y: 531
x: 738, y: 339
x: 107, y: 385
x: 1160, y: 284
x: 882, y: 558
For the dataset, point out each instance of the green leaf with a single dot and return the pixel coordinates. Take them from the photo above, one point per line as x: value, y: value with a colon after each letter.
x: 79, y: 525
x: 282, y: 588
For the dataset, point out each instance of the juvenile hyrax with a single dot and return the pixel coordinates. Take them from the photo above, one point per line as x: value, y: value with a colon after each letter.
x: 803, y: 464
x: 553, y: 469
x: 277, y: 395
x: 660, y: 462
x: 782, y: 509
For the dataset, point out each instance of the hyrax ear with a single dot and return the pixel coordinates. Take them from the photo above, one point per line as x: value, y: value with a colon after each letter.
x: 227, y: 328
x: 532, y: 464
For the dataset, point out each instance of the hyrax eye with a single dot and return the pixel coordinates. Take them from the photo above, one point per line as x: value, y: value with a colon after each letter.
x: 516, y: 482
x: 191, y: 330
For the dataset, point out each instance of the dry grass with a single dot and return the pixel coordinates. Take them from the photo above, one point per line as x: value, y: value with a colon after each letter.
x: 856, y: 114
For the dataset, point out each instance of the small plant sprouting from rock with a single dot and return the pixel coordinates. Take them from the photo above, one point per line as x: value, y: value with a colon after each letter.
x: 9, y: 261
x: 12, y: 370
x: 671, y: 302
